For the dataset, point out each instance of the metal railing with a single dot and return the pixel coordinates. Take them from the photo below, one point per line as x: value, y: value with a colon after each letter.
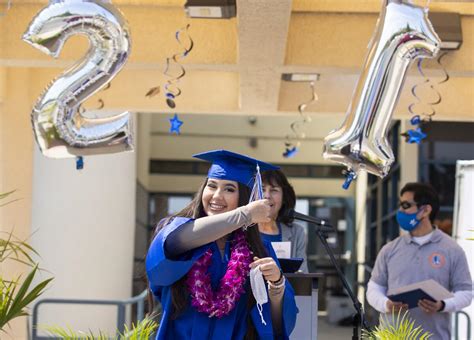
x: 139, y: 300
x: 456, y: 321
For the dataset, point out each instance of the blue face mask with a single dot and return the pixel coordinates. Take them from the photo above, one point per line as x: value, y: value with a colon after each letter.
x: 406, y: 221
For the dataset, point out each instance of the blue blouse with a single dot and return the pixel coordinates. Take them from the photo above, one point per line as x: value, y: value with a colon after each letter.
x: 163, y: 272
x: 272, y: 238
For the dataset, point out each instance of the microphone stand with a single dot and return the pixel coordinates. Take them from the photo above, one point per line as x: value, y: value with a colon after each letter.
x: 359, y: 319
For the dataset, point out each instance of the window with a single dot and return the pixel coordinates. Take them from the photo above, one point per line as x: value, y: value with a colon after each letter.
x: 446, y: 143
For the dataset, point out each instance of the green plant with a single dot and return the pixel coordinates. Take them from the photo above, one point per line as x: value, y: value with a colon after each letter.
x: 396, y: 327
x: 16, y: 294
x: 142, y: 330
x: 5, y: 195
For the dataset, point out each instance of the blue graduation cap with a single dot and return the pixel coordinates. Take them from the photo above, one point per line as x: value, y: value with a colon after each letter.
x: 233, y: 166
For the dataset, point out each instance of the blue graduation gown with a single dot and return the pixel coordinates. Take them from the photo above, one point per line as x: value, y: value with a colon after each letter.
x: 163, y: 272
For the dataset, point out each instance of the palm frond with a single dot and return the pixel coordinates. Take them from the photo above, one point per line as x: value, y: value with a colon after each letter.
x: 142, y: 330
x: 11, y: 248
x: 67, y: 333
x: 5, y: 195
x: 394, y: 327
x: 15, y: 296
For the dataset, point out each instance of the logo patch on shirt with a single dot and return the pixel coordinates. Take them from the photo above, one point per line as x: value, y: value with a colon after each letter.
x: 437, y: 260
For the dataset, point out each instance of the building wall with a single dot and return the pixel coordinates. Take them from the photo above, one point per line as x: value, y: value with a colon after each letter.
x: 16, y: 166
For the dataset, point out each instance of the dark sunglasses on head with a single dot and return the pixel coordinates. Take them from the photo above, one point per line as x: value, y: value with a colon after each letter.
x: 406, y: 205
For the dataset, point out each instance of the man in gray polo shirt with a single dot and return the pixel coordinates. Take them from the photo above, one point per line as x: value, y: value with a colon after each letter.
x: 423, y: 253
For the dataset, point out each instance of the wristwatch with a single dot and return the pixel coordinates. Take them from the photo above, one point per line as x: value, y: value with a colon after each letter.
x: 442, y: 306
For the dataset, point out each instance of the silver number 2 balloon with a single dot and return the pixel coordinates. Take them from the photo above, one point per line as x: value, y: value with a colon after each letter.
x: 403, y: 33
x: 60, y: 130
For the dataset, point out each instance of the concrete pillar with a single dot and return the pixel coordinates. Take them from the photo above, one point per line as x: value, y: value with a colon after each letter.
x: 361, y: 228
x: 83, y: 224
x: 143, y: 145
x: 407, y: 157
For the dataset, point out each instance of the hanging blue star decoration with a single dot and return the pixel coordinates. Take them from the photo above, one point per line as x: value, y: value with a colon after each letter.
x: 175, y: 124
x: 290, y: 152
x: 415, y: 135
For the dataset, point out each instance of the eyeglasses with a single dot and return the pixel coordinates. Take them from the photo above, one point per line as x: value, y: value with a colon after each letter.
x: 406, y: 204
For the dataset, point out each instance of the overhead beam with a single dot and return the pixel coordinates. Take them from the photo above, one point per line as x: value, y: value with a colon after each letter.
x: 263, y: 30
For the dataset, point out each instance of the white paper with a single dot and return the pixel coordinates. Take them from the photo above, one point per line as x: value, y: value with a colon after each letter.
x: 282, y: 249
x: 431, y: 287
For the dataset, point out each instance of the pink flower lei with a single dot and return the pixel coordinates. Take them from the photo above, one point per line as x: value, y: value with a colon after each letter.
x: 222, y: 301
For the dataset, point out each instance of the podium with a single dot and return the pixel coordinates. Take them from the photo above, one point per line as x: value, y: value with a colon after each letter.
x: 306, y: 296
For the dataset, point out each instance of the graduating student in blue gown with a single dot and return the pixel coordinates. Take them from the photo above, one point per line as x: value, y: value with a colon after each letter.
x: 209, y: 226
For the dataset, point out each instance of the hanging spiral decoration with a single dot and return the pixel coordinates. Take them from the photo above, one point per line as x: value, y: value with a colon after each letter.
x: 427, y: 112
x: 171, y: 88
x: 293, y: 140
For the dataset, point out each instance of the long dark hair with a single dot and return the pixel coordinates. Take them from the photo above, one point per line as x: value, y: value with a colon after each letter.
x: 278, y: 178
x: 195, y: 209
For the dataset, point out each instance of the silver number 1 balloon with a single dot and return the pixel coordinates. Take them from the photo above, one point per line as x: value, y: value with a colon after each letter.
x: 60, y: 130
x: 403, y: 33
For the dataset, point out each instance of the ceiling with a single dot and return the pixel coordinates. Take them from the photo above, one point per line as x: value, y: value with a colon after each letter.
x: 236, y: 64
x: 234, y: 72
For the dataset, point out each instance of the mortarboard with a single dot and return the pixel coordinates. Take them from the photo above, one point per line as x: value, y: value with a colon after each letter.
x: 233, y: 166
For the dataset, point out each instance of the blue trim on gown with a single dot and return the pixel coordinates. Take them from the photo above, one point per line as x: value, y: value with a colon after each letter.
x: 192, y: 325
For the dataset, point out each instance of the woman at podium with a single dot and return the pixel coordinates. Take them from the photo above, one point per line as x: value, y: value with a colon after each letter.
x: 281, y: 229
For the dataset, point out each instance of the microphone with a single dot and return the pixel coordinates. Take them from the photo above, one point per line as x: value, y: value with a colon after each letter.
x: 325, y: 226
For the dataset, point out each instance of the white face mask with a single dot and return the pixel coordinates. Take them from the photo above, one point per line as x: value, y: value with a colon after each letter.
x: 259, y: 290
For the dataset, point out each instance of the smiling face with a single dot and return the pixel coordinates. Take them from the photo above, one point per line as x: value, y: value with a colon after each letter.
x: 220, y: 196
x: 274, y: 193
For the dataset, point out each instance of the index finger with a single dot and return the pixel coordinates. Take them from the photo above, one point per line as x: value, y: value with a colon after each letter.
x: 259, y: 262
